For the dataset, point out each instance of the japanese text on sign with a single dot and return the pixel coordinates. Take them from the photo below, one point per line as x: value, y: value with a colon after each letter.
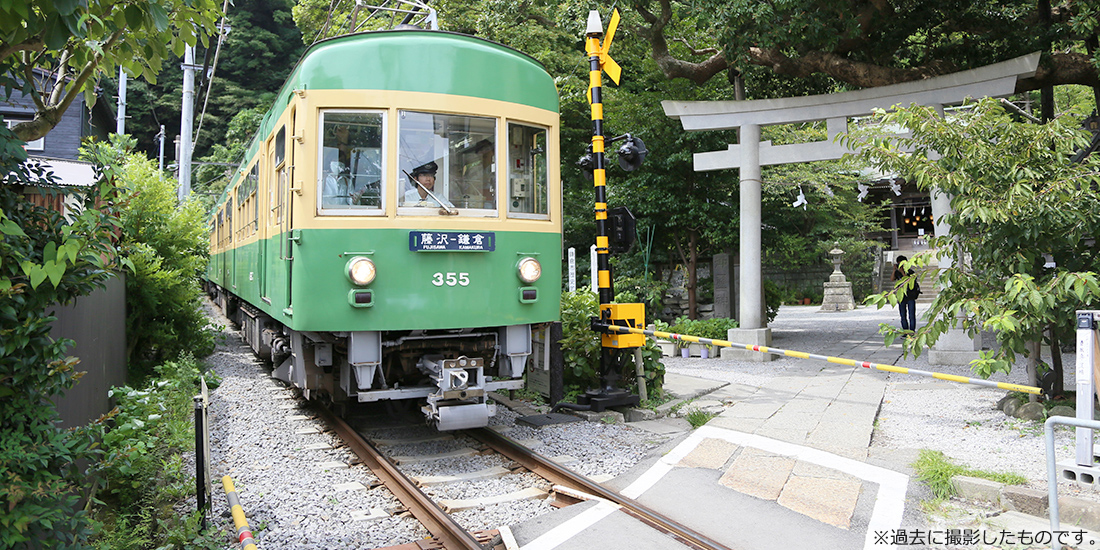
x: 456, y: 241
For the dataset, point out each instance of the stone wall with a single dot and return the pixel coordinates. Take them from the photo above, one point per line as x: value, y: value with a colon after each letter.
x: 676, y: 300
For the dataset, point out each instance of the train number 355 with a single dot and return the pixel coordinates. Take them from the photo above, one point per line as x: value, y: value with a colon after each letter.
x: 451, y: 279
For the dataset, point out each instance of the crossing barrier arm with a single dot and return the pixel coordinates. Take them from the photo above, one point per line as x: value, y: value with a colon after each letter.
x: 244, y: 533
x: 838, y: 360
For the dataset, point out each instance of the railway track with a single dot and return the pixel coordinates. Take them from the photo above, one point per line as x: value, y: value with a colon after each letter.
x: 565, y: 488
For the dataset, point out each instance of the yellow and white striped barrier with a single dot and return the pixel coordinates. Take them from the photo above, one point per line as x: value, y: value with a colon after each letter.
x: 244, y: 534
x: 838, y: 360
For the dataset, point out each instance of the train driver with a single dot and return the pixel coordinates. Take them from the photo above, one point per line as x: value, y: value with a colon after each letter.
x: 424, y: 194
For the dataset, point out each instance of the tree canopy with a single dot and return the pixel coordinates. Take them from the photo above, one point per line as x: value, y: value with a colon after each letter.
x: 54, y: 50
x: 870, y: 43
x: 1023, y: 224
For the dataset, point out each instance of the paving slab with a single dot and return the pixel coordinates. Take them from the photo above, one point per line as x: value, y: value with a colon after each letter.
x: 711, y: 453
x: 830, y: 501
x: 758, y: 473
x: 663, y: 426
x: 688, y: 387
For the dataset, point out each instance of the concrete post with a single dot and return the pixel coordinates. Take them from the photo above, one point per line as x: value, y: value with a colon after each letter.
x: 753, y: 329
x: 186, y: 118
x: 120, y: 121
x: 751, y: 208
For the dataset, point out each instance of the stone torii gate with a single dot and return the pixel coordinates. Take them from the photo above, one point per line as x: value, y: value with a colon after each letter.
x: 750, y: 154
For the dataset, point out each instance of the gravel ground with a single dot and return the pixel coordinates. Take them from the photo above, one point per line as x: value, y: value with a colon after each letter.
x: 289, y: 489
x: 917, y: 412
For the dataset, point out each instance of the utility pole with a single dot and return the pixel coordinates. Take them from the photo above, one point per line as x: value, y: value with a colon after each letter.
x: 186, y: 121
x: 160, y: 138
x: 120, y: 123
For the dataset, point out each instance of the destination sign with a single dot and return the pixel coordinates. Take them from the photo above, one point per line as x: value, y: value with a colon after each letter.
x: 452, y: 241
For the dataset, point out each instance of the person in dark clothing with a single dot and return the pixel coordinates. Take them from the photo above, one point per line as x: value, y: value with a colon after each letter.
x: 908, y: 303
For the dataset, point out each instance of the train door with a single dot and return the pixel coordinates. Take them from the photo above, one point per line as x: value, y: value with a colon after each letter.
x: 280, y: 191
x: 234, y: 232
x: 224, y: 238
x: 286, y: 176
x: 261, y: 229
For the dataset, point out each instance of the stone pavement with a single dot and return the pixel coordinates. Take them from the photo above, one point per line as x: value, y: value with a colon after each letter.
x: 831, y: 409
x: 801, y: 439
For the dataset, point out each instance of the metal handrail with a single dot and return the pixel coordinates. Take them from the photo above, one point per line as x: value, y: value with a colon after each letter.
x: 1052, y: 470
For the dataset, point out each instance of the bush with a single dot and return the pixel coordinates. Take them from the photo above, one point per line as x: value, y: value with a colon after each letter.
x: 142, y: 468
x: 651, y: 293
x: 715, y: 329
x: 166, y: 245
x: 581, y: 347
x: 45, y: 260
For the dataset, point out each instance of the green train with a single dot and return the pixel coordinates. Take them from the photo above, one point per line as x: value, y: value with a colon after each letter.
x: 394, y: 232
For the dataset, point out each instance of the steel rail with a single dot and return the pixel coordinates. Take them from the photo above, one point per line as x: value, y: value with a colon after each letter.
x: 838, y: 360
x: 558, y: 475
x: 445, y: 529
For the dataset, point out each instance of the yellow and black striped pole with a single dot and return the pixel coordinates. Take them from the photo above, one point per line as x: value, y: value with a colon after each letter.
x: 830, y: 359
x: 595, y: 51
x: 244, y: 533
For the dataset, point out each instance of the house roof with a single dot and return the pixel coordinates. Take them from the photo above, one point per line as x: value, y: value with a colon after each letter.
x: 68, y: 173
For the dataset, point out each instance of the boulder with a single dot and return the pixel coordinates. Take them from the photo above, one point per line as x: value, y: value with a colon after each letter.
x: 1010, y: 407
x: 1063, y: 410
x: 1031, y: 411
x: 1003, y: 401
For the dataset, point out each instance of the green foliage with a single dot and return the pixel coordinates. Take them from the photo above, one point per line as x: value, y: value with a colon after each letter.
x: 1024, y: 219
x: 698, y: 417
x: 632, y: 290
x: 87, y: 39
x: 581, y: 347
x: 773, y: 298
x: 714, y: 329
x: 142, y: 469
x: 166, y: 245
x: 45, y: 260
x: 811, y: 46
x: 936, y: 470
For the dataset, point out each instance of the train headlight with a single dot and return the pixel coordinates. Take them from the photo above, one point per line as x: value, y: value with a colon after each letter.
x: 361, y: 271
x: 529, y: 270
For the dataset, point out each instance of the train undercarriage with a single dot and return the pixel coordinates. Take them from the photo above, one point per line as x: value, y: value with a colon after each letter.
x: 450, y: 372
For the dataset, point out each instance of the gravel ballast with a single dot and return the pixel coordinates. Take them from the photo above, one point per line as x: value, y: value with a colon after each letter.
x: 296, y: 495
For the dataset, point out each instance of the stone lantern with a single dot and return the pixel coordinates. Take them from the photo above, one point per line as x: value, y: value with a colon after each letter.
x: 838, y: 291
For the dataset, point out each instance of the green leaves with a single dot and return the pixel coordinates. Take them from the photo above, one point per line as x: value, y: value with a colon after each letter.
x: 93, y: 37
x: 1023, y: 215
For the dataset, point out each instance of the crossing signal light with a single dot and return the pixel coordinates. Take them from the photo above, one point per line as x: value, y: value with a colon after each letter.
x: 588, y: 161
x: 632, y: 153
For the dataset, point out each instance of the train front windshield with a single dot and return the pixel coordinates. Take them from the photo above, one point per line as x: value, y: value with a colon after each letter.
x: 447, y: 160
x: 445, y: 163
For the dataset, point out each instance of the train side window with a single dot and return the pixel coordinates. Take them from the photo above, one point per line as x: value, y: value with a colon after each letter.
x: 280, y: 146
x: 254, y: 185
x: 459, y: 151
x: 527, y: 172
x: 351, y: 162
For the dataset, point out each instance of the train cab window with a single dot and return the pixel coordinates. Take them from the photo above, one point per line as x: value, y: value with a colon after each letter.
x: 446, y: 163
x: 350, y: 171
x: 527, y: 172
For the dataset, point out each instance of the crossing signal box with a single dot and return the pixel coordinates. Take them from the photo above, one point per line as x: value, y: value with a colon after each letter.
x: 624, y: 315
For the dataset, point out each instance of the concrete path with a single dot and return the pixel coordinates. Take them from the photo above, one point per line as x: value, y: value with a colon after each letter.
x: 784, y: 462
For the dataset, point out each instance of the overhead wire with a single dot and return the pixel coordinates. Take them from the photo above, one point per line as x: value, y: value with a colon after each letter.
x: 213, y: 69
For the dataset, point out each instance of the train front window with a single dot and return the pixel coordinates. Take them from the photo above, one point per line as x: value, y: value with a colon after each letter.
x: 350, y: 171
x: 446, y: 163
x: 527, y: 172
